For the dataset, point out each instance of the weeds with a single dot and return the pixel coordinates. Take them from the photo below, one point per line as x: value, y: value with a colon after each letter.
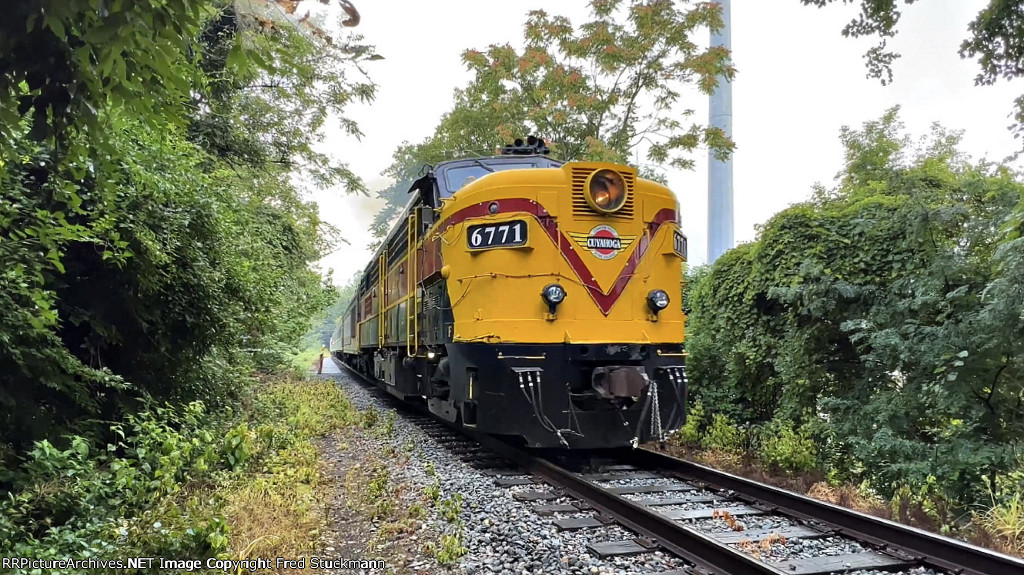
x: 380, y: 494
x: 451, y: 548
x: 853, y: 497
x: 1006, y: 522
x: 807, y: 455
x: 451, y: 507
x: 417, y: 511
x: 925, y: 506
x: 433, y: 491
x: 238, y: 446
x: 275, y: 512
x: 183, y: 481
x: 305, y: 360
x: 369, y: 417
x: 388, y: 430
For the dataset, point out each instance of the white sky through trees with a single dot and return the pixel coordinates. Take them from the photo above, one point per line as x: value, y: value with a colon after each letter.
x: 799, y: 80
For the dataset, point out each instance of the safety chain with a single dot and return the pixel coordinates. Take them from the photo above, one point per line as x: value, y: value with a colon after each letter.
x: 656, y: 431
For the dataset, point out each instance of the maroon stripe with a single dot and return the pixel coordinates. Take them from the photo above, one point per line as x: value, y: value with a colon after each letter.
x: 504, y: 206
x: 604, y: 301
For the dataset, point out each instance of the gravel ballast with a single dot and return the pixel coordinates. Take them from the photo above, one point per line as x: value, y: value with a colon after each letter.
x: 501, y: 534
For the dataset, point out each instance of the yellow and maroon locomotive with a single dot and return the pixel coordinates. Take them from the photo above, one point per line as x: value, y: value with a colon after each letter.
x: 529, y: 298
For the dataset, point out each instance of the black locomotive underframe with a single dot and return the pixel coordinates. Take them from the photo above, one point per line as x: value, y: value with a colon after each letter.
x: 541, y: 394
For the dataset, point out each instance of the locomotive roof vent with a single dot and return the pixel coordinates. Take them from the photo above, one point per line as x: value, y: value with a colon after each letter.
x: 533, y: 146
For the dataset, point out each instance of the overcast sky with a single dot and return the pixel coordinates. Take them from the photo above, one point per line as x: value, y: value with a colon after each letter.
x: 798, y: 82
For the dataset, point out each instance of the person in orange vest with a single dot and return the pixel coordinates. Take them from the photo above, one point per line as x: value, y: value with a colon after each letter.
x: 323, y: 353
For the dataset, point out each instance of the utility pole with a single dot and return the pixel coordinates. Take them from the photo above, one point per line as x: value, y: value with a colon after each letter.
x: 720, y: 219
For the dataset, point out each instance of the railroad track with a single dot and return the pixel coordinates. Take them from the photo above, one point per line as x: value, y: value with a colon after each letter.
x: 717, y: 522
x: 713, y: 519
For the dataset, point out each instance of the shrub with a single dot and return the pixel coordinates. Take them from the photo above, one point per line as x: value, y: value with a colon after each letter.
x: 127, y: 498
x: 723, y: 435
x: 786, y: 448
x: 237, y: 448
x: 689, y: 434
x: 889, y: 306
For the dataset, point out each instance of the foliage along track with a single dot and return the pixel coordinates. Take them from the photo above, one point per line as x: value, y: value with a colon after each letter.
x: 640, y: 501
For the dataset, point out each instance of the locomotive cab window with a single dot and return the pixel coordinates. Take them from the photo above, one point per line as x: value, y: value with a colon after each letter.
x: 459, y: 177
x: 456, y: 175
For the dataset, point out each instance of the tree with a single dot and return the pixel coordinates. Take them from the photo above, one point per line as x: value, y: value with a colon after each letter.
x: 884, y: 312
x: 996, y: 39
x: 154, y: 241
x: 323, y: 324
x: 603, y: 90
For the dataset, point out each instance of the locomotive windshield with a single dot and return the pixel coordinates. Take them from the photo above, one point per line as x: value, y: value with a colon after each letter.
x: 459, y: 173
x: 458, y: 177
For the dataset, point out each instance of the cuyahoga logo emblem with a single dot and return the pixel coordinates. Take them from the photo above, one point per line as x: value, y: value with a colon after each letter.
x: 603, y: 241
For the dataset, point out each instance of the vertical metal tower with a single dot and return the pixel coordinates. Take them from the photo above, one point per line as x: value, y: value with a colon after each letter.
x: 720, y: 219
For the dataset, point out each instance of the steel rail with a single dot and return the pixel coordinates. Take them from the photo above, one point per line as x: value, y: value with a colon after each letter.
x: 709, y: 555
x: 929, y: 548
x: 701, y: 550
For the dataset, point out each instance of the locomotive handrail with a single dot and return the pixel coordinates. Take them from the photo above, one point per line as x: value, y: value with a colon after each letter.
x: 415, y: 295
x: 411, y: 327
x: 382, y: 278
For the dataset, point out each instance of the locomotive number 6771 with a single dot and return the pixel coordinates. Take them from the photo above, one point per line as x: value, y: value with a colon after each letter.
x: 498, y: 235
x: 529, y: 298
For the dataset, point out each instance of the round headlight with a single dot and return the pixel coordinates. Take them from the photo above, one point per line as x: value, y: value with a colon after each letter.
x: 606, y: 191
x: 553, y: 294
x: 657, y: 300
